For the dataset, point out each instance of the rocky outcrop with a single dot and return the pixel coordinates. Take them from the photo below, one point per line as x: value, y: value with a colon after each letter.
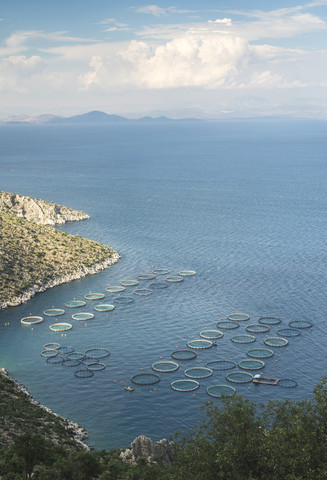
x: 38, y: 211
x: 152, y: 452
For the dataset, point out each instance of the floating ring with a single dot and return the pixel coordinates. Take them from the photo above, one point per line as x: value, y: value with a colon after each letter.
x: 84, y: 373
x: 165, y: 366
x: 184, y: 385
x: 92, y: 353
x: 228, y: 325
x: 83, y: 316
x: 76, y: 356
x: 95, y: 366
x: 51, y: 346
x: 187, y: 273
x: 221, y: 365
x: 238, y: 317
x: 65, y: 350
x: 270, y: 320
x: 55, y: 359
x: 276, y: 342
x: 60, y: 327
x: 287, y: 383
x: 300, y: 324
x: 104, y: 307
x: 54, y: 312
x: 183, y: 355
x: 70, y: 362
x: 289, y: 332
x: 198, y: 372
x: 94, y: 296
x: 146, y: 379
x: 158, y: 285
x: 143, y: 292
x: 115, y: 289
x: 251, y: 364
x: 220, y: 390
x: 31, y: 320
x: 75, y: 304
x: 129, y: 283
x: 49, y: 353
x: 199, y: 344
x: 146, y: 276
x: 174, y: 279
x: 260, y: 353
x: 124, y: 300
x: 211, y: 334
x: 243, y: 339
x: 239, y: 377
x: 257, y: 328
x: 161, y: 271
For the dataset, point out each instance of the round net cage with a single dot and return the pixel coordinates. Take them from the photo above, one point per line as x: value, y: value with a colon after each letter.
x: 165, y: 366
x: 32, y: 320
x: 187, y: 273
x: 185, y: 385
x: 95, y: 366
x: 75, y: 304
x: 276, y: 342
x: 129, y: 283
x: 97, y: 353
x: 104, y: 307
x: 49, y: 353
x: 289, y: 332
x: 158, y: 285
x: 270, y: 320
x: 54, y: 312
x: 61, y: 327
x: 55, y: 359
x: 251, y: 364
x: 51, y: 346
x: 228, y: 325
x: 198, y: 372
x: 260, y: 353
x: 221, y: 365
x: 146, y: 276
x: 161, y: 271
x: 243, y: 339
x: 65, y: 350
x: 257, y: 328
x: 76, y: 356
x: 70, y: 362
x: 239, y: 377
x: 146, y: 379
x: 83, y: 316
x: 238, y: 317
x: 211, y: 334
x: 124, y: 300
x: 94, y: 296
x: 84, y: 373
x: 143, y: 292
x: 174, y: 279
x: 88, y: 361
x: 219, y: 391
x: 287, y: 383
x: 300, y: 324
x: 115, y: 289
x: 183, y: 355
x: 199, y: 344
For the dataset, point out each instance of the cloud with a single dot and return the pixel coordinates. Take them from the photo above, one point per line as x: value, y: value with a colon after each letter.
x: 161, y: 12
x: 16, y: 70
x: 114, y: 26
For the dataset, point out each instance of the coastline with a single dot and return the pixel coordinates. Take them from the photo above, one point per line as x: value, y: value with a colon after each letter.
x: 75, y: 275
x: 77, y: 432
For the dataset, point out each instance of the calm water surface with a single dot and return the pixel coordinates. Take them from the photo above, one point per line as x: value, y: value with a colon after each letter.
x: 241, y: 203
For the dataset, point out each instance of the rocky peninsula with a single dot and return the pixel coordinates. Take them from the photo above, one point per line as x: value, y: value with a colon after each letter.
x: 35, y: 256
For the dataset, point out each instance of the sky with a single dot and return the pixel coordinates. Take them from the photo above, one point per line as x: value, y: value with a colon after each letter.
x: 179, y: 58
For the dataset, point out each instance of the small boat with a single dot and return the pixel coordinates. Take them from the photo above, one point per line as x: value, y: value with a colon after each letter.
x: 257, y: 379
x: 129, y: 388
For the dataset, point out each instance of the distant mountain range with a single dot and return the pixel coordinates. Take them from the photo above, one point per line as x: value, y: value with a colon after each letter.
x: 94, y: 116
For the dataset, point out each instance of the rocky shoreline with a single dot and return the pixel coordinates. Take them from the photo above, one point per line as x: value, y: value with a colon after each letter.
x: 78, y: 433
x: 76, y: 275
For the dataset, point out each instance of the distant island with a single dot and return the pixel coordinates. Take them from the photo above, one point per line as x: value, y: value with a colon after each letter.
x: 94, y: 116
x: 34, y: 256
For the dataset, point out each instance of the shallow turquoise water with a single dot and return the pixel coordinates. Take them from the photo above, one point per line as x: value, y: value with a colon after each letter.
x: 241, y: 203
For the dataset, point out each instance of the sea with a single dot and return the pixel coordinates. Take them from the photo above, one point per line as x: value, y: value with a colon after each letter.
x: 240, y: 202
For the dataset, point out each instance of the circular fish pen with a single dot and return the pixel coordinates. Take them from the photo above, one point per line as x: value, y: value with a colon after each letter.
x: 300, y: 324
x: 161, y: 271
x: 199, y: 344
x: 287, y: 383
x: 65, y: 350
x: 146, y: 276
x: 146, y: 379
x: 224, y: 325
x: 257, y: 328
x: 260, y: 353
x: 70, y: 362
x: 54, y: 312
x: 183, y: 355
x: 61, y: 327
x: 276, y: 342
x: 32, y: 320
x: 289, y: 332
x: 129, y: 283
x: 239, y: 377
x: 198, y: 372
x: 165, y: 366
x: 143, y: 292
x: 104, y: 307
x: 243, y: 339
x: 115, y: 289
x: 51, y: 346
x: 184, y: 385
x: 221, y: 365
x: 97, y: 353
x: 187, y: 273
x: 158, y: 285
x: 251, y: 364
x: 83, y: 316
x: 49, y: 353
x: 211, y: 334
x: 238, y: 317
x: 270, y: 320
x: 84, y: 373
x: 124, y: 300
x: 75, y: 304
x: 95, y: 366
x: 174, y: 279
x: 94, y: 296
x: 55, y: 359
x: 76, y: 356
x: 219, y: 391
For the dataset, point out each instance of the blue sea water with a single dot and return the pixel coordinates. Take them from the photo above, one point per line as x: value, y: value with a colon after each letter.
x: 243, y: 203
